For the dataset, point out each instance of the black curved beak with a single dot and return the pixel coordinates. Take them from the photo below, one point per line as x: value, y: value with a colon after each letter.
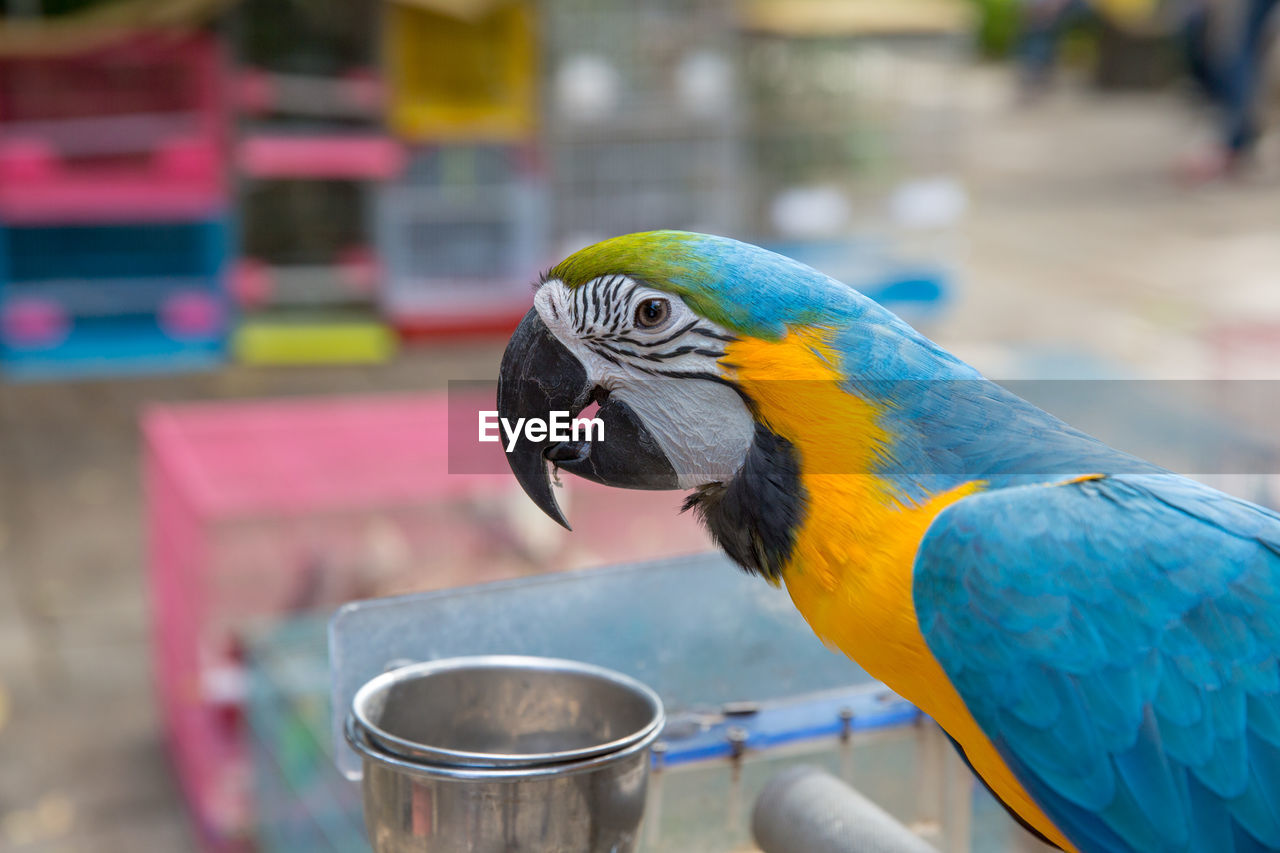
x: 538, y: 378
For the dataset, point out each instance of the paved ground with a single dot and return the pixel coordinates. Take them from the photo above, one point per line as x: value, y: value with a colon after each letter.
x: 1078, y: 239
x: 1081, y: 238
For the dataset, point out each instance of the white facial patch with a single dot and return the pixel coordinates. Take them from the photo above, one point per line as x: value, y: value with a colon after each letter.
x: 667, y: 374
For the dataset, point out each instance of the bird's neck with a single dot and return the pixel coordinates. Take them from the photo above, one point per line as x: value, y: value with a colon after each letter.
x: 865, y: 466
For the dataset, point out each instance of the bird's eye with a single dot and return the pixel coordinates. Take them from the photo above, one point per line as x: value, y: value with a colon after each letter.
x: 652, y: 313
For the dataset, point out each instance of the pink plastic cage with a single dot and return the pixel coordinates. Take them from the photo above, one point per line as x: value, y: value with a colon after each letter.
x: 264, y: 509
x: 134, y: 131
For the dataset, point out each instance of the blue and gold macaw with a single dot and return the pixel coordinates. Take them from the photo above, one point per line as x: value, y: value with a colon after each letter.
x: 1098, y: 636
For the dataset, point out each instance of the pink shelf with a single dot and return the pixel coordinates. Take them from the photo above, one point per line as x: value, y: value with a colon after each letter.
x: 181, y: 180
x: 342, y: 157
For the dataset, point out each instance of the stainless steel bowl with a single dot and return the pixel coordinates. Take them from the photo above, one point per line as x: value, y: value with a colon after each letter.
x: 490, y: 754
x: 505, y: 711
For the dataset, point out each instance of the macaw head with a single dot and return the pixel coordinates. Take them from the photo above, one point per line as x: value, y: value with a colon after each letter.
x: 664, y: 330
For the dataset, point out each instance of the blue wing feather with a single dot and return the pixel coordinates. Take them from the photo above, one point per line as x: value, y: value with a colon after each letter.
x: 1117, y: 639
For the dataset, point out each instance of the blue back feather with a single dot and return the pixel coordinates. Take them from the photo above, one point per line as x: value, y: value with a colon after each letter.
x: 1131, y: 622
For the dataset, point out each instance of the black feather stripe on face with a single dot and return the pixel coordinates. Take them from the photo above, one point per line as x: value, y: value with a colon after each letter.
x: 600, y: 312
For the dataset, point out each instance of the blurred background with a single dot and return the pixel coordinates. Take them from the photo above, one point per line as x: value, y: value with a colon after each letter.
x: 245, y: 246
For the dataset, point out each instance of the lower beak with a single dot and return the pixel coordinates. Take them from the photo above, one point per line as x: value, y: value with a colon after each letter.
x: 540, y: 376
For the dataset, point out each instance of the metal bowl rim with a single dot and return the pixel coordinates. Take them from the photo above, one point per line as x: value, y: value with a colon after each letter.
x: 358, y: 741
x: 382, y: 740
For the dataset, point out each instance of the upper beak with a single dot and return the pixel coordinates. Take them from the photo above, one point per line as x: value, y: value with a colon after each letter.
x: 538, y: 376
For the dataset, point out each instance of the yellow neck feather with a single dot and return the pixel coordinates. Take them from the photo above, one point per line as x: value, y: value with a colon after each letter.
x: 850, y: 573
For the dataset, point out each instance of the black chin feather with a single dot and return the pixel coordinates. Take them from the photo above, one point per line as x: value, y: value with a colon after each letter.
x: 754, y: 516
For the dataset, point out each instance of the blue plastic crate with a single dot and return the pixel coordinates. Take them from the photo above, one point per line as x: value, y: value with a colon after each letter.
x: 38, y: 253
x: 80, y: 300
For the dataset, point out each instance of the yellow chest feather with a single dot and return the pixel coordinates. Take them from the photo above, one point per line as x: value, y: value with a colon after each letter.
x: 850, y: 572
